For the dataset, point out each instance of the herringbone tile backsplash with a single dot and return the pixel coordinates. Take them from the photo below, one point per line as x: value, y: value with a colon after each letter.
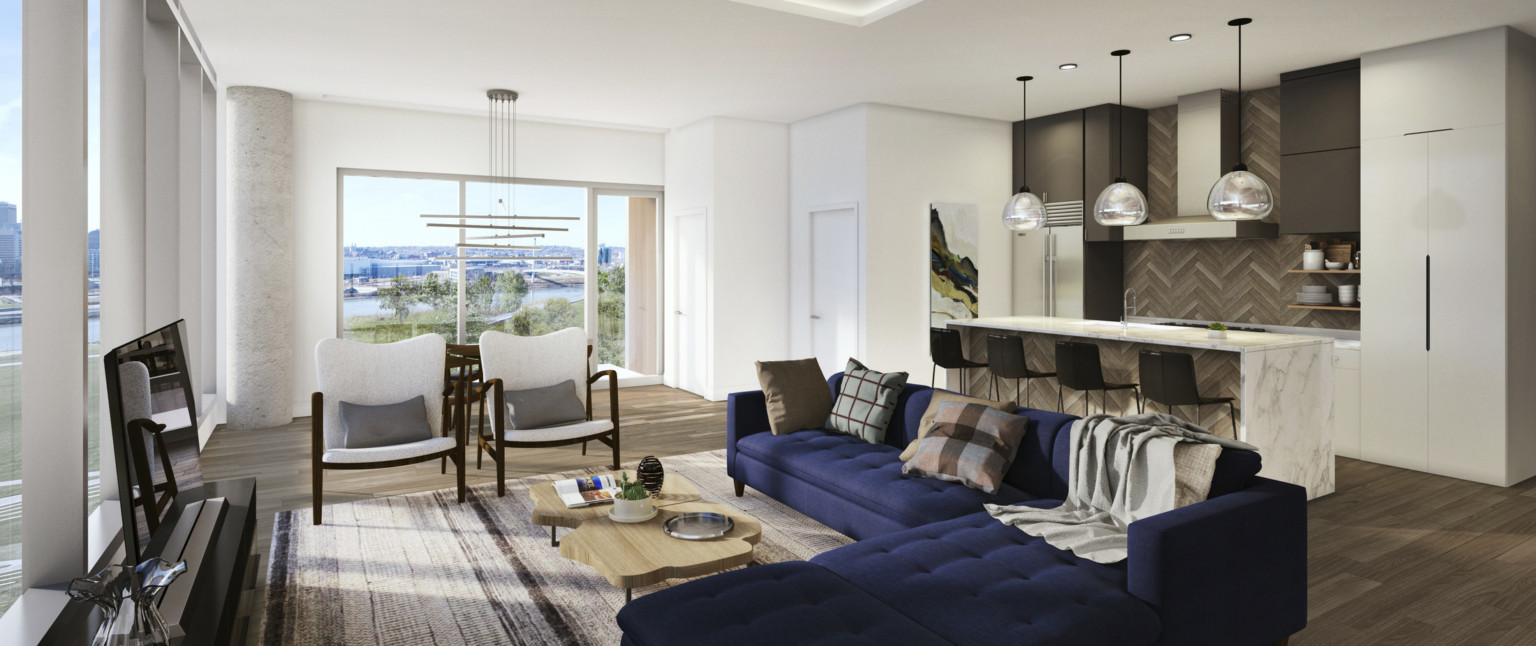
x: 1235, y: 281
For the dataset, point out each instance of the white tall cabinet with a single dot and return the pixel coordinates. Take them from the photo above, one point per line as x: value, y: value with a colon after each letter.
x: 1447, y: 377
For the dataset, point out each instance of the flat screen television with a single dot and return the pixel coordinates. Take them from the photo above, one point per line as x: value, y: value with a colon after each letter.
x: 154, y: 430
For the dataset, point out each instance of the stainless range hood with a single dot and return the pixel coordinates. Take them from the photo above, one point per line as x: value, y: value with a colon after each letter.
x: 1207, y: 148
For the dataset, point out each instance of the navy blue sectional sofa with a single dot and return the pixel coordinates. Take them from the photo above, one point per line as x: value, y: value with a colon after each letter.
x: 932, y: 567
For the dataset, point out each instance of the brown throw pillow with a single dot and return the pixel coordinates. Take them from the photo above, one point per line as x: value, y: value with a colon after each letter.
x: 1194, y: 464
x: 970, y: 444
x: 797, y: 394
x: 939, y: 397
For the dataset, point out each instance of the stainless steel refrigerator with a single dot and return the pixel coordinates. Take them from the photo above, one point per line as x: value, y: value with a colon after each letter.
x: 1048, y: 264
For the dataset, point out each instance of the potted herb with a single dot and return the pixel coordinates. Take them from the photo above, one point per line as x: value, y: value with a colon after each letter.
x: 1216, y: 331
x: 633, y: 500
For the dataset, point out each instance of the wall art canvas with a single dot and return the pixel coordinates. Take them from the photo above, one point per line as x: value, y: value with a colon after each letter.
x: 952, y: 278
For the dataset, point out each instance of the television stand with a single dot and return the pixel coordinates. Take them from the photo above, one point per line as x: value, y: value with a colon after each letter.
x: 213, y: 525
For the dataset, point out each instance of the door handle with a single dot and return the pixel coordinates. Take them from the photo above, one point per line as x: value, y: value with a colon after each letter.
x: 813, y: 316
x: 1427, y: 282
x: 679, y: 313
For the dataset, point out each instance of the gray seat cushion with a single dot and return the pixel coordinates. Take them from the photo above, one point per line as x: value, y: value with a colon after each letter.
x: 546, y: 406
x: 366, y: 427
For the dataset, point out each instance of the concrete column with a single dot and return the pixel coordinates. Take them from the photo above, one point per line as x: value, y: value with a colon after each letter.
x: 260, y: 186
x: 53, y: 274
x: 122, y: 194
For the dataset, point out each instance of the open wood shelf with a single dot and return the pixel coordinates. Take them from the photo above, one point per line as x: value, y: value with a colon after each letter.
x: 1339, y: 308
x: 1323, y: 271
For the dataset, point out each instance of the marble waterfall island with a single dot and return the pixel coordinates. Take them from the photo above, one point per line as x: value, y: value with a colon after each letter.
x: 1283, y: 383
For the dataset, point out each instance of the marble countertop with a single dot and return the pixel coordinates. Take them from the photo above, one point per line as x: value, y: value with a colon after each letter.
x: 1143, y: 333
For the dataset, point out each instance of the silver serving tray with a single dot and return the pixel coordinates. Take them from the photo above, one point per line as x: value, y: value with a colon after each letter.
x: 698, y: 525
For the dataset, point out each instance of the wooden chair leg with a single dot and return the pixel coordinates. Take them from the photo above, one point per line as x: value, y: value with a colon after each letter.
x: 461, y: 459
x: 615, y: 449
x: 501, y: 467
x: 319, y: 487
x: 583, y: 448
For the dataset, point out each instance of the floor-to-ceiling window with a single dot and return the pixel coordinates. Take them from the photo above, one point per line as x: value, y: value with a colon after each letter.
x: 568, y: 264
x: 93, y: 265
x: 10, y: 301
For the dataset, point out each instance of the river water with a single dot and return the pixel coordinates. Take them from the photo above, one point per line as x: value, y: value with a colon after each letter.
x: 10, y: 335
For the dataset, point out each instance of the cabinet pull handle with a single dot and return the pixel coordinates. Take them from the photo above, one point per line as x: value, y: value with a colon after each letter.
x: 1427, y: 282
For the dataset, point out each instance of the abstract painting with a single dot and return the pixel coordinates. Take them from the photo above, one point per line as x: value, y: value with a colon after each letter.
x: 952, y: 279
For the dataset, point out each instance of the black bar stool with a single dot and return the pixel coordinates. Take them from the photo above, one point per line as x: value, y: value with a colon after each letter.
x: 944, y: 347
x: 1169, y: 379
x: 1078, y: 368
x: 1006, y: 354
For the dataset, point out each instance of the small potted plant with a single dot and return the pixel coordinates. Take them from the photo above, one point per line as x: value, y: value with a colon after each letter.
x: 1216, y: 331
x: 633, y: 500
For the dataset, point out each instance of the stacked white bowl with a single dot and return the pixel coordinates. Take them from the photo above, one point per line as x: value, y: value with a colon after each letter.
x: 1314, y: 295
x: 1348, y: 294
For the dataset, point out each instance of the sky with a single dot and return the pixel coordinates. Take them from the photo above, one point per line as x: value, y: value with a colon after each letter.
x: 10, y: 109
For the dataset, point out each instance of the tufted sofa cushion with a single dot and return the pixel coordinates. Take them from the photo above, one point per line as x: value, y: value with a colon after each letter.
x: 974, y: 580
x: 769, y: 605
x: 870, y: 475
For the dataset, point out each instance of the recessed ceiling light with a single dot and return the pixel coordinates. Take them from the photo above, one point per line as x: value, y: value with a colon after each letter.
x: 1068, y: 66
x: 1179, y: 38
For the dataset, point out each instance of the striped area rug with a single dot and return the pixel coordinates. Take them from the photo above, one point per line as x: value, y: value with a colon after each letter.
x: 423, y: 569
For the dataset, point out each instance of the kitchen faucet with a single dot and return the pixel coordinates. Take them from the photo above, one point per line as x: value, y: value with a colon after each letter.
x: 1128, y: 304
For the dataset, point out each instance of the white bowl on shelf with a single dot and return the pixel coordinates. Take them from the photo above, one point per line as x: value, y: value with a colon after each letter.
x: 1314, y: 289
x: 1333, y: 266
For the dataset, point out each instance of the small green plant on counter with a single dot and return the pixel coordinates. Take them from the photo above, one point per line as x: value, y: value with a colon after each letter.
x: 1216, y: 327
x: 631, y: 489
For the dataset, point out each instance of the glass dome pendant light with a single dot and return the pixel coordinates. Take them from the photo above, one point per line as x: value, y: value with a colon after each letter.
x: 1024, y: 211
x: 1240, y: 195
x: 1121, y: 204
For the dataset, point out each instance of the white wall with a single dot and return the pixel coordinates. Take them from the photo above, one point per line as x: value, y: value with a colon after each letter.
x: 895, y: 162
x: 329, y: 136
x: 737, y: 172
x: 828, y: 165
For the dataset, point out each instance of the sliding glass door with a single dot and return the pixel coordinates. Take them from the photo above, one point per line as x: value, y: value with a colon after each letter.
x: 625, y: 294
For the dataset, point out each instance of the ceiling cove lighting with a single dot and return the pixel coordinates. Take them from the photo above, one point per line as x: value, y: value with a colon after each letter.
x: 1121, y: 204
x: 1240, y: 195
x: 1179, y: 38
x: 1067, y: 66
x: 1024, y: 211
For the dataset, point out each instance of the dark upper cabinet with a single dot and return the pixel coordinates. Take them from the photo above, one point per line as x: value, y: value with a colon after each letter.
x: 1054, y: 154
x: 1320, y: 111
x: 1102, y: 163
x: 1321, y: 192
x: 1320, y: 149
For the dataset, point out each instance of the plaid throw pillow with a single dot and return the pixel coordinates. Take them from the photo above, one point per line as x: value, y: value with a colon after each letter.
x: 866, y: 400
x: 972, y: 444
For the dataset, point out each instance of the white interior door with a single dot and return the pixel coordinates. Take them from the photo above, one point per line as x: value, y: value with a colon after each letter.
x: 692, y: 302
x: 834, y: 287
x: 1467, y: 305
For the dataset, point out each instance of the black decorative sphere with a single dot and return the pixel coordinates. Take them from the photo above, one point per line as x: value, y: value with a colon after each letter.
x: 651, y: 474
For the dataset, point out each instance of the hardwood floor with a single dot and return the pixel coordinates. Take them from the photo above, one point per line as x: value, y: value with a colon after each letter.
x: 1396, y: 556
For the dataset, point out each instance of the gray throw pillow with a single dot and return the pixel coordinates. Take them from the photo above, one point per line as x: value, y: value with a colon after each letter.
x: 366, y: 427
x: 545, y: 407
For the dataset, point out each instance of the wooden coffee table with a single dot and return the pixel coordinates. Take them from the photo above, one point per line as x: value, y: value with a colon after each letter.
x: 634, y: 555
x: 549, y: 511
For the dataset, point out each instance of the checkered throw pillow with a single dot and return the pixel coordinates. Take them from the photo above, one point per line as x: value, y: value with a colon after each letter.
x: 866, y: 400
x: 972, y: 444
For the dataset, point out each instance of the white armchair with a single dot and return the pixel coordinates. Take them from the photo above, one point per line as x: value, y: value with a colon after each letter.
x: 374, y: 375
x: 513, y: 362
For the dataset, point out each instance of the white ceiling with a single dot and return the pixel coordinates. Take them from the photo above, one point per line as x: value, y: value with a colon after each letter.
x: 666, y: 63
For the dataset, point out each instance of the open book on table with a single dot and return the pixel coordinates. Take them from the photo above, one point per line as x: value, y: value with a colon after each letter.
x: 587, y: 490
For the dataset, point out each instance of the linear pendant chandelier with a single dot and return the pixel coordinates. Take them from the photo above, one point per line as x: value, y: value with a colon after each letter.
x: 502, y: 206
x: 1240, y: 194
